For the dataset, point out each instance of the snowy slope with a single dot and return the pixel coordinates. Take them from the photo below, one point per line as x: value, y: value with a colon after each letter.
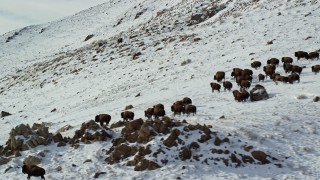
x: 58, y: 69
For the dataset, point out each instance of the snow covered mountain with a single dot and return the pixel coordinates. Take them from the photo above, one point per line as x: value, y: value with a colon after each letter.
x: 66, y: 72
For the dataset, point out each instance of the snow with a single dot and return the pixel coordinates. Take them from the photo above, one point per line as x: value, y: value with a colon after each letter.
x: 58, y: 69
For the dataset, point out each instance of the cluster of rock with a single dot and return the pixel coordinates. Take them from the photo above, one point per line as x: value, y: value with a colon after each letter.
x: 151, y: 144
x: 90, y: 132
x: 23, y: 137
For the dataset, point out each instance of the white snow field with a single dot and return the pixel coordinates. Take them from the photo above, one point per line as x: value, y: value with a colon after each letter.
x: 51, y: 66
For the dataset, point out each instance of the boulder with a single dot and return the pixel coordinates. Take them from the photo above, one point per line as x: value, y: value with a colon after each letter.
x: 258, y: 93
x: 4, y: 114
x: 32, y: 160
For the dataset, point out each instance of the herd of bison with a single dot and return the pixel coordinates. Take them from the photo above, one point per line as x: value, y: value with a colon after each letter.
x: 243, y: 78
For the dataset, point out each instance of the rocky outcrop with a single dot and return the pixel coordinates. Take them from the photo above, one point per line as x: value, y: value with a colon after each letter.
x: 90, y: 132
x: 23, y: 137
x: 151, y: 144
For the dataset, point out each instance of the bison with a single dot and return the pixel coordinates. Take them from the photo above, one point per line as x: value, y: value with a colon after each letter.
x: 261, y: 77
x: 177, y: 109
x: 269, y: 70
x: 313, y: 55
x: 227, y: 85
x: 256, y: 64
x: 219, y: 76
x: 273, y: 61
x: 245, y: 84
x: 215, y: 86
x: 296, y: 69
x: 287, y: 60
x: 186, y: 100
x: 127, y: 115
x: 158, y: 112
x: 301, y: 54
x: 103, y: 118
x: 280, y: 78
x: 149, y: 113
x: 315, y: 68
x: 287, y: 67
x: 33, y: 170
x: 245, y: 94
x: 236, y: 72
x: 190, y: 109
x: 158, y: 106
x: 293, y: 77
x: 237, y: 95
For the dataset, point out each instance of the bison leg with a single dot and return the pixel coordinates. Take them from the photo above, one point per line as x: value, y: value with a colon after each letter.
x: 42, y: 177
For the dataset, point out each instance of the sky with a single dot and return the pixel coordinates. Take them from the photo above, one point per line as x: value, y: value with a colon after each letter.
x: 16, y: 14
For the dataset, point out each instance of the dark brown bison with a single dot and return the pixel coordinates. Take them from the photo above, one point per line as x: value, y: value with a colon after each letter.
x: 219, y: 76
x: 243, y: 77
x: 315, y: 68
x: 237, y: 95
x: 127, y: 115
x: 33, y: 170
x: 149, y: 113
x: 245, y: 84
x: 190, y: 109
x: 313, y: 55
x: 158, y: 106
x: 177, y: 109
x: 245, y: 94
x: 287, y: 60
x: 293, y: 77
x: 273, y: 61
x: 103, y: 118
x: 179, y: 102
x: 227, y: 85
x: 256, y: 64
x: 296, y: 69
x: 301, y: 54
x: 269, y: 70
x: 236, y: 72
x: 274, y: 75
x: 287, y: 67
x: 215, y: 86
x: 186, y: 100
x: 247, y: 72
x: 261, y: 77
x: 159, y: 113
x: 280, y: 78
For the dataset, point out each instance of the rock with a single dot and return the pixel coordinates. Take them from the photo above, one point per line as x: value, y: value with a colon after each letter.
x: 171, y: 140
x: 64, y: 129
x: 145, y: 134
x: 32, y: 160
x: 88, y: 37
x: 316, y: 99
x: 260, y: 156
x: 59, y: 168
x: 96, y: 175
x: 57, y: 138
x: 128, y: 107
x: 217, y: 141
x: 185, y: 154
x: 145, y: 164
x: 121, y: 152
x: 258, y: 93
x: 4, y: 160
x: 132, y: 126
x: 61, y: 144
x: 4, y: 114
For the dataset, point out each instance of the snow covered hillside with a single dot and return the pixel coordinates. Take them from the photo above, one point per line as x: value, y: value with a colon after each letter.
x: 64, y: 73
